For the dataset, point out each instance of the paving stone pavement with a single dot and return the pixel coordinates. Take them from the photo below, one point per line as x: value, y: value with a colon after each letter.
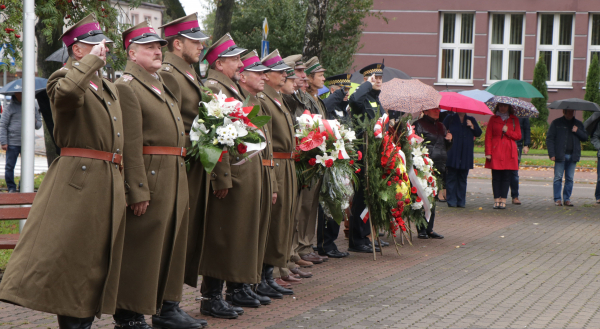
x: 529, y: 266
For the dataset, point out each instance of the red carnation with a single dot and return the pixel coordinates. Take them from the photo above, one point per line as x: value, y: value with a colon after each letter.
x: 398, y: 171
x: 418, y: 199
x: 242, y: 148
x: 357, y: 171
x: 407, y: 201
x: 400, y: 203
x: 351, y: 162
x: 312, y: 161
x: 405, y: 177
x: 329, y: 163
x: 359, y: 155
x: 430, y: 179
x: 413, y: 190
x: 396, y: 178
x: 389, y: 183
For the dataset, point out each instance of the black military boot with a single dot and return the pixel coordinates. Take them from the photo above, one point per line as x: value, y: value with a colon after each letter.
x: 268, y: 270
x: 125, y: 319
x: 212, y: 300
x: 237, y: 296
x: 201, y: 322
x: 171, y: 318
x: 69, y: 322
x: 263, y: 289
x: 249, y: 289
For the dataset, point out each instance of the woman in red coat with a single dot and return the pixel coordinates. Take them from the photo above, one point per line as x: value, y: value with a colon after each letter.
x: 501, y: 154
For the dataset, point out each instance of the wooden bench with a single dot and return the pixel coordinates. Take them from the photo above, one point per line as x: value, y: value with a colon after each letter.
x: 9, y: 241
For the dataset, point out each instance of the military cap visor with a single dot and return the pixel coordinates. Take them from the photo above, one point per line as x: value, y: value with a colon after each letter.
x: 142, y: 35
x: 189, y: 29
x: 89, y: 33
x: 253, y: 64
x: 227, y: 48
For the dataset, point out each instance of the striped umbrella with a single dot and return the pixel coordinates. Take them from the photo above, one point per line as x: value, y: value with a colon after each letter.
x: 522, y: 109
x: 410, y: 96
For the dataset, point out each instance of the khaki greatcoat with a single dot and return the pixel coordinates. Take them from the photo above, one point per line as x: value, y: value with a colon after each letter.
x: 178, y: 73
x: 155, y: 243
x: 232, y: 230
x: 68, y: 258
x: 282, y: 212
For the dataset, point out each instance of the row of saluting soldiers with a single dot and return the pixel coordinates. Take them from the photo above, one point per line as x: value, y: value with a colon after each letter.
x: 119, y: 225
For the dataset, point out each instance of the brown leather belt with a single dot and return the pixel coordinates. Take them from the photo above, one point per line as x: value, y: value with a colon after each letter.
x: 268, y: 163
x: 283, y: 155
x: 91, y: 154
x: 165, y: 150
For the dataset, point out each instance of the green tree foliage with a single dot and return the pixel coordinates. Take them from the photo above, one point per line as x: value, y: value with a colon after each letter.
x: 287, y: 20
x: 540, y: 74
x: 592, y: 93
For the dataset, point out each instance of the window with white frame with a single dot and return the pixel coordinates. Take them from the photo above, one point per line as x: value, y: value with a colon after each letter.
x: 555, y: 46
x: 505, y: 56
x: 456, y: 48
x: 594, y: 46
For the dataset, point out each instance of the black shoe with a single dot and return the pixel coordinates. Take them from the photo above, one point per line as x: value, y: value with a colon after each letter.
x: 264, y: 300
x: 361, y: 248
x: 263, y: 289
x: 434, y: 235
x: 237, y: 309
x: 377, y: 249
x: 237, y: 296
x: 383, y: 243
x: 381, y: 233
x: 170, y: 317
x: 201, y: 322
x: 423, y: 236
x: 212, y: 300
x: 333, y: 254
x: 315, y: 248
x: 268, y: 270
x: 69, y: 322
x: 129, y: 320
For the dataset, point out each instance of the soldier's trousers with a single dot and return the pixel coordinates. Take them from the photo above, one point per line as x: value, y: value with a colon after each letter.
x: 327, y: 232
x: 359, y: 229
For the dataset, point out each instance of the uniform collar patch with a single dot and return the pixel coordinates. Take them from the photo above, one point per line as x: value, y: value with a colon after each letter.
x: 156, y: 89
x: 127, y: 77
x: 93, y: 85
x: 190, y: 75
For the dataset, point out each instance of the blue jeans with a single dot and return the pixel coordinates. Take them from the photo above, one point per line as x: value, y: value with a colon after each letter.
x: 12, y: 153
x: 567, y: 168
x: 456, y: 187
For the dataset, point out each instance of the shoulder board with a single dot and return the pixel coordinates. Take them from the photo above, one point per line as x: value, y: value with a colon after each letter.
x: 167, y: 67
x: 261, y: 95
x: 127, y: 78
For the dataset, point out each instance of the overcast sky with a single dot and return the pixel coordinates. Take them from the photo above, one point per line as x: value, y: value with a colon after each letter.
x: 194, y: 6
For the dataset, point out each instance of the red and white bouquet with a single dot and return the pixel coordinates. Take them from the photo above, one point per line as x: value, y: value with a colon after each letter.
x: 326, y: 150
x: 226, y: 125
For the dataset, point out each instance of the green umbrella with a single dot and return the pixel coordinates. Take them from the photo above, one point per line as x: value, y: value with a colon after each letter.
x: 514, y: 88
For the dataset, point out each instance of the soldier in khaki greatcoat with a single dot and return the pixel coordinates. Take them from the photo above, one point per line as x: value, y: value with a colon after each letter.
x: 68, y: 258
x: 185, y: 44
x: 284, y: 144
x: 252, y: 83
x: 232, y: 239
x: 156, y: 187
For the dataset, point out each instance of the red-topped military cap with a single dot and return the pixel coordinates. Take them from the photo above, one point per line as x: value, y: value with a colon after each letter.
x: 224, y: 47
x: 252, y: 63
x: 86, y: 30
x: 275, y: 62
x: 186, y: 26
x: 141, y: 33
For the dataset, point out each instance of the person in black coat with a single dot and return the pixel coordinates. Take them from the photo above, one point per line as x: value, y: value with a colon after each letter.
x: 564, y: 148
x: 464, y: 129
x: 364, y: 102
x: 522, y: 147
x: 438, y: 141
x: 327, y: 228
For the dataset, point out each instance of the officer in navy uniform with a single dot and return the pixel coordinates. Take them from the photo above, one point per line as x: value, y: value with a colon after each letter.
x: 336, y: 104
x: 364, y: 102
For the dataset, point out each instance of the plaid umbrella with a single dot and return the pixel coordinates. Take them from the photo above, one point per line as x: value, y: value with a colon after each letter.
x: 410, y: 96
x: 522, y: 108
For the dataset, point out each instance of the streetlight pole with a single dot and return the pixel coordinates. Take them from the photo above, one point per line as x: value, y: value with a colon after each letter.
x: 28, y: 104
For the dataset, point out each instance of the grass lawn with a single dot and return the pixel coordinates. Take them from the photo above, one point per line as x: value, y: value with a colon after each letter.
x: 7, y: 227
x: 544, y: 152
x: 37, y: 180
x: 590, y: 164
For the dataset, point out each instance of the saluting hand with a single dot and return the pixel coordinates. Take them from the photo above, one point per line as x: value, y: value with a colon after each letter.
x: 100, y: 50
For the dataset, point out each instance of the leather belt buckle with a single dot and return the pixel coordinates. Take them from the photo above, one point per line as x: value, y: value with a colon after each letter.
x: 113, y: 158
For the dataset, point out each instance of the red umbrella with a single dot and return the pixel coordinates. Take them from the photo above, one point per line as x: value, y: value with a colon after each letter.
x: 461, y: 103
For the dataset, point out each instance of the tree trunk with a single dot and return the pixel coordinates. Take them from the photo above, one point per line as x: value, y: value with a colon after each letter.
x: 45, y: 69
x: 174, y: 9
x: 315, y: 27
x: 223, y: 18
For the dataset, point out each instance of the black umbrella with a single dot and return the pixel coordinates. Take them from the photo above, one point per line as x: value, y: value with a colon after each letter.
x: 574, y: 104
x: 61, y: 56
x: 389, y: 73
